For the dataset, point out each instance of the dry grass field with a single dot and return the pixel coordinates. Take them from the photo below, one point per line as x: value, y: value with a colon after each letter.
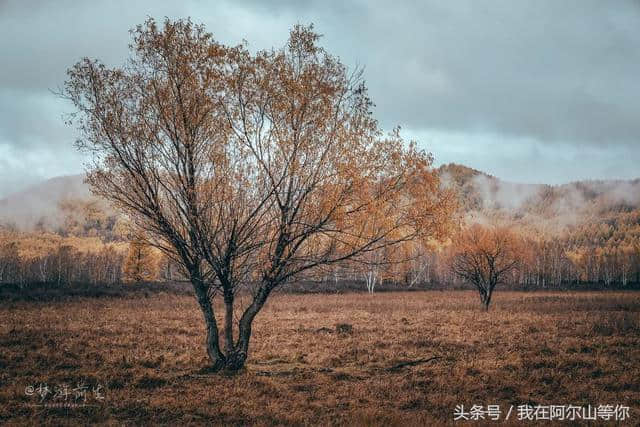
x: 146, y: 354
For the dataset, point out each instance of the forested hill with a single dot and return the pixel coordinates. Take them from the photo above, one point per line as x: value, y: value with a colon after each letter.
x: 579, y: 233
x: 551, y: 207
x: 39, y: 205
x: 594, y: 224
x: 607, y: 208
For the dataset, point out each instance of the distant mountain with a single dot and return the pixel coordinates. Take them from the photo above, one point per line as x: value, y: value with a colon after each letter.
x: 482, y: 196
x: 546, y: 208
x: 26, y: 208
x: 480, y: 191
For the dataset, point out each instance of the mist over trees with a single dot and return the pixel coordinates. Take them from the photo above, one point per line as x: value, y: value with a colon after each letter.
x: 596, y: 246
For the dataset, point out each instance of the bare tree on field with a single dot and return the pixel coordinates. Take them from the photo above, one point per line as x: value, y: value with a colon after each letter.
x: 484, y: 257
x: 248, y: 170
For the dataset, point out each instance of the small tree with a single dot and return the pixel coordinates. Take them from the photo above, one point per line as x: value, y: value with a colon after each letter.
x: 484, y: 257
x: 140, y: 264
x: 248, y: 170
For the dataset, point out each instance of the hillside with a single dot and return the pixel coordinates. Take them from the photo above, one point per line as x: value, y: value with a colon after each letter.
x: 39, y: 204
x: 578, y: 233
x: 551, y: 207
x: 483, y: 197
x: 587, y: 231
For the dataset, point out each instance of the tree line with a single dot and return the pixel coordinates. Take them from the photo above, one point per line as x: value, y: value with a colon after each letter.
x: 551, y: 264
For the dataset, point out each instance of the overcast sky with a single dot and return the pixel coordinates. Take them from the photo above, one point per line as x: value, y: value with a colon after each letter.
x: 529, y: 91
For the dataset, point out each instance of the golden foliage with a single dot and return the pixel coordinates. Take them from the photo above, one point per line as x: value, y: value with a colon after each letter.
x: 141, y: 263
x: 485, y: 256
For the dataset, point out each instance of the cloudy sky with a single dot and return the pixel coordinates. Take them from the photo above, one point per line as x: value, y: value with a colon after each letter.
x: 529, y: 91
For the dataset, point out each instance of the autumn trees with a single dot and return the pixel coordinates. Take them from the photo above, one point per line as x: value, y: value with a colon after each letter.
x: 9, y: 262
x: 140, y: 264
x: 37, y: 258
x: 248, y: 170
x: 484, y: 257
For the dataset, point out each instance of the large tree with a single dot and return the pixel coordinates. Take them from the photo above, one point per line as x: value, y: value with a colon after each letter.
x: 248, y: 170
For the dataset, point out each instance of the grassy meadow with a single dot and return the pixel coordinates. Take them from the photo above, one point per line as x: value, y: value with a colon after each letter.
x: 393, y: 358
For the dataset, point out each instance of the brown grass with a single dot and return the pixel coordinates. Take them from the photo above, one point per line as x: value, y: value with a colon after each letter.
x: 537, y: 348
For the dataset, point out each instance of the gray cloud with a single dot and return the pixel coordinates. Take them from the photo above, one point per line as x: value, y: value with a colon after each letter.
x: 529, y: 160
x: 542, y: 91
x: 556, y: 71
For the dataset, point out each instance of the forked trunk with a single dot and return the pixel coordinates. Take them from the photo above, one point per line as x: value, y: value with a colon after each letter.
x: 235, y: 354
x: 486, y: 298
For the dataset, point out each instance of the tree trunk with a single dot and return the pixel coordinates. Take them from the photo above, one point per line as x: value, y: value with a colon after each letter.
x: 235, y: 354
x: 237, y: 358
x: 487, y: 301
x: 485, y: 298
x: 228, y: 321
x: 213, y: 346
